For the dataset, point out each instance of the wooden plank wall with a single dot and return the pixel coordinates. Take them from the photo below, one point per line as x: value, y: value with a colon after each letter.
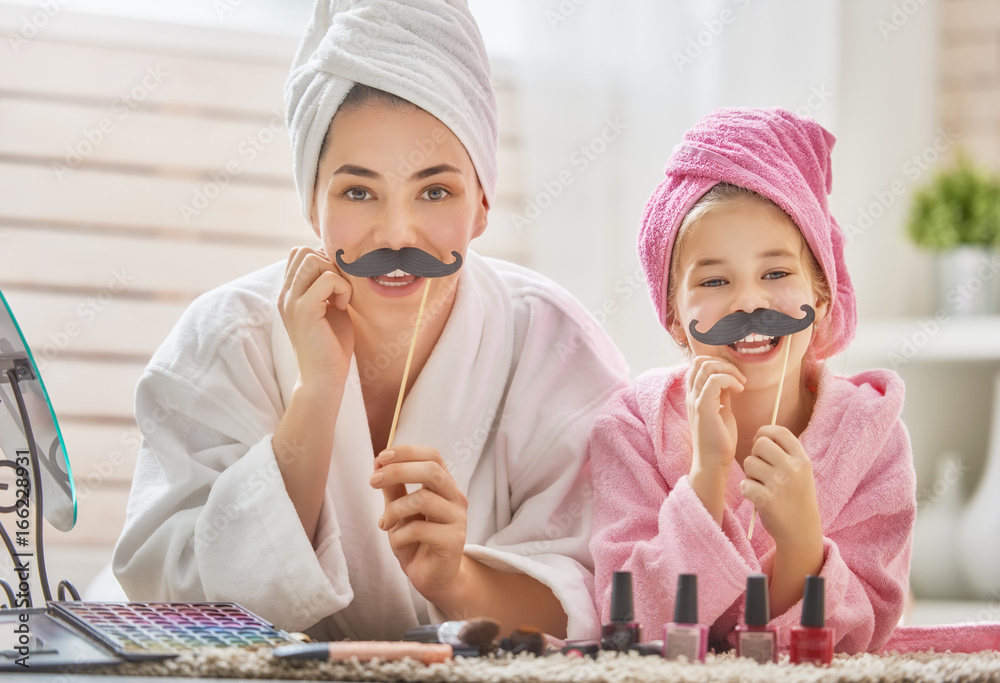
x: 969, y: 77
x: 103, y: 142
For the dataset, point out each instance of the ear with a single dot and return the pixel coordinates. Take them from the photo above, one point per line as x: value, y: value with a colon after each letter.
x: 482, y: 215
x: 822, y: 307
x: 313, y: 218
x: 676, y: 330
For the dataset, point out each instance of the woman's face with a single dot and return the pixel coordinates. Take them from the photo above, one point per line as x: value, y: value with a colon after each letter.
x: 394, y: 177
x: 742, y: 257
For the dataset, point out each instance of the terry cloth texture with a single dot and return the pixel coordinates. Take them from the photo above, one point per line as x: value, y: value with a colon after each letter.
x: 777, y: 154
x: 429, y: 52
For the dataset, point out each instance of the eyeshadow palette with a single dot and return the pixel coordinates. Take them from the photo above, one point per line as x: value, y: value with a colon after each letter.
x: 155, y: 630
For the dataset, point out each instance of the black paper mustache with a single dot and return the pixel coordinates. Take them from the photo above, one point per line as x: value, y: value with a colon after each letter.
x: 408, y: 259
x: 735, y: 326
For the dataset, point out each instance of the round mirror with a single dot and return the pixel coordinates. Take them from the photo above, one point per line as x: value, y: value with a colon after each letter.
x: 26, y: 419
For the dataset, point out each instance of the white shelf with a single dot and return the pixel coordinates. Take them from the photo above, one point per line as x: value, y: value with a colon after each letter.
x: 927, y: 339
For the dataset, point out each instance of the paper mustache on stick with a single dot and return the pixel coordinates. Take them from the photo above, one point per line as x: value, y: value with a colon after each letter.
x: 736, y: 326
x: 408, y: 259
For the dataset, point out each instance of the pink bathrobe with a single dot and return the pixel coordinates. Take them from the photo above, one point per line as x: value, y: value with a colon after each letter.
x: 649, y: 521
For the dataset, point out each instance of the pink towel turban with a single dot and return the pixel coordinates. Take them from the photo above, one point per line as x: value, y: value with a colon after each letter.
x: 429, y: 52
x: 774, y: 153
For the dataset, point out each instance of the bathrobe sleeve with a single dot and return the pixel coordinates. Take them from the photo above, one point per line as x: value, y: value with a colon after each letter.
x: 565, y: 368
x: 867, y: 547
x: 209, y: 518
x: 656, y: 532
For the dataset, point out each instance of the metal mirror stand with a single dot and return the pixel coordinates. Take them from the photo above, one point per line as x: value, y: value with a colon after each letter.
x: 15, y: 368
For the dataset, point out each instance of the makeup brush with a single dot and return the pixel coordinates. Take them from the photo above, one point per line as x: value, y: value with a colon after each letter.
x: 478, y: 632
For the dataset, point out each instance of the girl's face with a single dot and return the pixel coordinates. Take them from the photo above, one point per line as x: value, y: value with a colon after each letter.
x: 741, y: 257
x: 395, y: 176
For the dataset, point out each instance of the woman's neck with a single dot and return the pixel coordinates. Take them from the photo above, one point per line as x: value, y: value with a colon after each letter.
x: 381, y: 352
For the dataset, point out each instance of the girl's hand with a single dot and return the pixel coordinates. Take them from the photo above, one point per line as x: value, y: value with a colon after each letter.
x: 313, y: 305
x: 713, y: 428
x: 780, y: 484
x: 427, y: 527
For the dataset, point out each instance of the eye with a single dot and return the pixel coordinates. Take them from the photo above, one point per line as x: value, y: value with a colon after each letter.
x: 713, y: 282
x: 775, y: 275
x: 357, y: 194
x: 435, y: 194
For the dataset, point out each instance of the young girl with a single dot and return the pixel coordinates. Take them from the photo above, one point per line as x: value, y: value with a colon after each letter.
x: 264, y: 475
x: 683, y: 457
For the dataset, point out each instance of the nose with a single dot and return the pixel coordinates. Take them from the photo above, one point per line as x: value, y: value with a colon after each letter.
x: 396, y: 226
x: 749, y: 297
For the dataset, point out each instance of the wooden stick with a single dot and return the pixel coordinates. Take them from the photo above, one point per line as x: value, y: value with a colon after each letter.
x: 406, y: 368
x: 774, y: 416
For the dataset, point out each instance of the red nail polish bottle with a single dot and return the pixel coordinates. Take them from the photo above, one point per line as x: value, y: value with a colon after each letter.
x: 684, y: 636
x: 754, y: 638
x: 812, y: 641
x: 621, y: 633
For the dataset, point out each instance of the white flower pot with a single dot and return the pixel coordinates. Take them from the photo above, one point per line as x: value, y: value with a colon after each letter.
x: 967, y: 281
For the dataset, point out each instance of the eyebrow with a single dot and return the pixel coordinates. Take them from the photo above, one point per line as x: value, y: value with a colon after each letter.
x: 771, y: 253
x: 362, y: 172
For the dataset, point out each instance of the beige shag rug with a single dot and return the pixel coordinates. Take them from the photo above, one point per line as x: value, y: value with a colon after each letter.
x: 610, y: 667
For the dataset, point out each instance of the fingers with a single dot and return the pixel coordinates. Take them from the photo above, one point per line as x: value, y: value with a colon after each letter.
x: 439, y: 536
x: 310, y: 275
x: 709, y: 369
x: 438, y: 499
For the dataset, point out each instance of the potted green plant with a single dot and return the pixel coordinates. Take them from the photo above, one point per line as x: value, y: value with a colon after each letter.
x: 957, y: 216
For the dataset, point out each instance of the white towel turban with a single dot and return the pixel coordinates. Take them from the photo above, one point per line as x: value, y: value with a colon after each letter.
x: 429, y: 52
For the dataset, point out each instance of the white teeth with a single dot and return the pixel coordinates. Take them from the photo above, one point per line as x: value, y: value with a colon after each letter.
x: 753, y: 337
x: 394, y: 274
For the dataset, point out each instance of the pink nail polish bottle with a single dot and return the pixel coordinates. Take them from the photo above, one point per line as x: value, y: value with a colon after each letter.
x: 622, y: 632
x: 684, y: 636
x: 754, y: 638
x: 812, y: 642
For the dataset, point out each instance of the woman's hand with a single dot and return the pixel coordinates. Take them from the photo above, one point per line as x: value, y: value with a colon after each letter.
x: 711, y: 381
x: 426, y: 528
x: 313, y: 305
x: 781, y: 486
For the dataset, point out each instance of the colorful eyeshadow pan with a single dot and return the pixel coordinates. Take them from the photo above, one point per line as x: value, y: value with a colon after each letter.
x: 147, y: 630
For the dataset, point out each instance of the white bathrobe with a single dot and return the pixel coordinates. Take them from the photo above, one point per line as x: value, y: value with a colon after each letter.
x: 507, y: 396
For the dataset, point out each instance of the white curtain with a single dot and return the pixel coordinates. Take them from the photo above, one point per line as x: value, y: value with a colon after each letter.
x: 605, y: 90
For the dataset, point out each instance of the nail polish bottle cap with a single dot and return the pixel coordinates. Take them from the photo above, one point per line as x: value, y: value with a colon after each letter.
x: 621, y: 597
x: 686, y: 609
x: 758, y: 611
x: 813, y: 603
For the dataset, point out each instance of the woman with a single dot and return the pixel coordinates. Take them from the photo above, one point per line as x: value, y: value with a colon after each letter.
x: 268, y: 482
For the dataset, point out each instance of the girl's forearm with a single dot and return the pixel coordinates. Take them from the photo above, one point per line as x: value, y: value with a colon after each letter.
x: 788, y: 575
